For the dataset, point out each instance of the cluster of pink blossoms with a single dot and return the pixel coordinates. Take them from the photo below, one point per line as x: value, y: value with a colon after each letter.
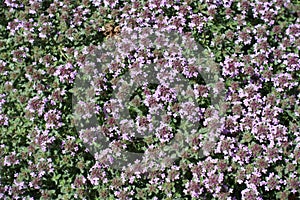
x: 246, y: 147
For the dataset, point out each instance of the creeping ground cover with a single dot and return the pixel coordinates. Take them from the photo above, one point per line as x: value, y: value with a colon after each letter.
x: 158, y: 99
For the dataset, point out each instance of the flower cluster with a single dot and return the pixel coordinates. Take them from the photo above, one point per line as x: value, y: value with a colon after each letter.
x: 3, y: 116
x: 232, y: 136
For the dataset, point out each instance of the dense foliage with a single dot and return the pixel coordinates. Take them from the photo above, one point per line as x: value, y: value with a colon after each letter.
x: 44, y: 46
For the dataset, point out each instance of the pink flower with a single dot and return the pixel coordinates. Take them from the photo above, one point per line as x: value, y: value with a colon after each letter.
x: 52, y: 119
x: 66, y: 73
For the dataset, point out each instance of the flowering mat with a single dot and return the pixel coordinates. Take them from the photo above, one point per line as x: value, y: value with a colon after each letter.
x: 158, y: 99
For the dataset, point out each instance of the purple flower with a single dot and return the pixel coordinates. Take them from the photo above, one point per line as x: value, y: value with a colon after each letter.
x: 53, y: 119
x: 66, y: 73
